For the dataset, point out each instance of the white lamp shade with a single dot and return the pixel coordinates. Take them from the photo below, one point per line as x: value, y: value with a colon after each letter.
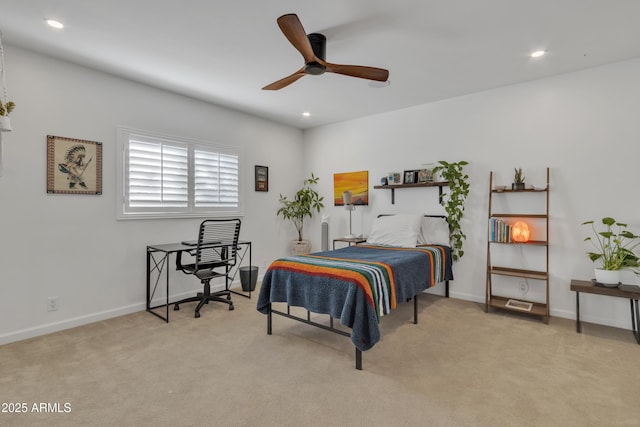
x: 347, y: 198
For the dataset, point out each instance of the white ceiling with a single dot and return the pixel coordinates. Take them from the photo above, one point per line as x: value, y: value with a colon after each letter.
x: 224, y: 52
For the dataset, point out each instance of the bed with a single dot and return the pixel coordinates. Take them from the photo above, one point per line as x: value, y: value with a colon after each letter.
x: 359, y: 284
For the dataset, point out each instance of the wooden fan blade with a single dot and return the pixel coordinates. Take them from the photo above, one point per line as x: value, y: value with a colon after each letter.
x: 294, y: 31
x: 285, y: 81
x: 370, y: 73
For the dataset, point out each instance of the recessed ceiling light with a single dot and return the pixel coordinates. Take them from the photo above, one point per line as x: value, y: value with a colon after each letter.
x: 306, y: 114
x: 537, y: 53
x: 55, y: 24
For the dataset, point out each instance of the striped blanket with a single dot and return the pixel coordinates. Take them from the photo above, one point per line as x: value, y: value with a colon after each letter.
x: 356, y: 284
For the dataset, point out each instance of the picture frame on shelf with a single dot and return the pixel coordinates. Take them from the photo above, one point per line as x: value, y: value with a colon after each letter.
x: 425, y: 176
x: 410, y: 177
x: 519, y: 305
x: 394, y: 178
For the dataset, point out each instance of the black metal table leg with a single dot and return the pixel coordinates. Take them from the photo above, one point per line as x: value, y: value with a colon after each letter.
x: 635, y: 319
x: 148, y: 280
x: 578, y: 326
x: 358, y: 359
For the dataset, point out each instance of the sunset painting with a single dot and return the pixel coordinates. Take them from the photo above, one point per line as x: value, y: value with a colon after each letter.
x: 356, y: 182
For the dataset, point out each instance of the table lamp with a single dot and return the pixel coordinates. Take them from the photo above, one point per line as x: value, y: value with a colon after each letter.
x: 347, y: 199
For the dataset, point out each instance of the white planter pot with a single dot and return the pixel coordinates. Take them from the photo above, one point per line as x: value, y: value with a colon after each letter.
x: 609, y: 278
x: 300, y: 247
x: 5, y: 124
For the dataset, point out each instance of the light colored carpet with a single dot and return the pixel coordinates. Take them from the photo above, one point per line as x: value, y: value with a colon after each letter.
x: 458, y: 367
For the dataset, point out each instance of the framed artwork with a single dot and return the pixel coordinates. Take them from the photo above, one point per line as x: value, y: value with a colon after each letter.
x: 425, y: 175
x: 74, y: 166
x: 356, y: 182
x: 394, y: 178
x: 262, y: 178
x: 410, y: 177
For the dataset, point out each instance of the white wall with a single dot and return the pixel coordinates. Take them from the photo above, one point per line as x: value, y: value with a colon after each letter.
x: 72, y: 246
x: 583, y: 125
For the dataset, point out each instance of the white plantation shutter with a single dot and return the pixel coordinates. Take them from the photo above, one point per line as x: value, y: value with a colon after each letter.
x: 216, y: 179
x: 164, y: 177
x: 158, y: 175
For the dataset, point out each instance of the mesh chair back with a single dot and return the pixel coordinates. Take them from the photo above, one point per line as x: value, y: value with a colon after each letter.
x: 217, y: 243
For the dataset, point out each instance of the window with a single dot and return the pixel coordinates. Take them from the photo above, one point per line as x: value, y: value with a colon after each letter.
x: 167, y: 177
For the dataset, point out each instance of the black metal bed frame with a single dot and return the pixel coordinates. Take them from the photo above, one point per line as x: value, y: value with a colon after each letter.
x: 331, y: 328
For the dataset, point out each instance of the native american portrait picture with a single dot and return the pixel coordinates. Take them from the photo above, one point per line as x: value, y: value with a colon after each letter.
x: 74, y: 166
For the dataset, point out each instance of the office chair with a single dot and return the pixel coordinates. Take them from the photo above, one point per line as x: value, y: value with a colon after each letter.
x: 216, y: 249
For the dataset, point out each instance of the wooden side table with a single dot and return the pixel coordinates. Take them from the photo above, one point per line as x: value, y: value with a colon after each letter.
x: 349, y: 240
x: 589, y: 287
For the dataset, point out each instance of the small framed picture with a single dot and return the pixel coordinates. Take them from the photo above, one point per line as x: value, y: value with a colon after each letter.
x: 410, y: 177
x: 262, y: 178
x: 519, y: 305
x: 74, y: 166
x: 425, y: 175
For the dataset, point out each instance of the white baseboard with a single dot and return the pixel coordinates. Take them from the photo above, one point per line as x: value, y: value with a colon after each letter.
x: 61, y: 325
x: 49, y: 328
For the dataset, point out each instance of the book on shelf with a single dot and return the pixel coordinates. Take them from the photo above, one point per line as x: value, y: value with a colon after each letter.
x: 500, y: 231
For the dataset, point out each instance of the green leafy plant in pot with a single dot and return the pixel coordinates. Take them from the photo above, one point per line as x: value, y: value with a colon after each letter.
x: 453, y: 202
x: 304, y: 203
x: 518, y: 179
x: 614, y: 248
x: 5, y: 110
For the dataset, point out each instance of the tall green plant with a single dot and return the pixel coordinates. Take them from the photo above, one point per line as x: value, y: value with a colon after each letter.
x: 305, y: 201
x: 453, y: 202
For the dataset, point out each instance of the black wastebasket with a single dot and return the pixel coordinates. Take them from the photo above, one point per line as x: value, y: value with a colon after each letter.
x: 249, y: 278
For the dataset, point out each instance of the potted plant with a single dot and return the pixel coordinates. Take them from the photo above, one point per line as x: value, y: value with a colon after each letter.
x: 614, y: 248
x: 518, y: 179
x: 453, y: 202
x: 5, y: 110
x: 305, y: 201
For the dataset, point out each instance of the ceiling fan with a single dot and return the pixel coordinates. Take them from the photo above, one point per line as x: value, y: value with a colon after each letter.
x: 313, y: 47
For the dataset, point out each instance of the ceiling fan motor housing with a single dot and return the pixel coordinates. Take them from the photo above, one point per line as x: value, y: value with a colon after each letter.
x: 319, y: 45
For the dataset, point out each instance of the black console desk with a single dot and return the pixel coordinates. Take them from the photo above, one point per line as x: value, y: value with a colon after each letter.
x: 158, y: 264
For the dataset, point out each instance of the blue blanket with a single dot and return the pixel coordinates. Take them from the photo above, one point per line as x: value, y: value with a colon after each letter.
x: 356, y: 284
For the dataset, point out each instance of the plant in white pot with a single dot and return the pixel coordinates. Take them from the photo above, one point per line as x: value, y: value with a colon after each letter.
x: 615, y: 249
x: 5, y: 110
x: 304, y: 203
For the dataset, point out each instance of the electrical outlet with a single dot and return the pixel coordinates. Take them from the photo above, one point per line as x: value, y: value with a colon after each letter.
x: 524, y: 287
x: 52, y: 304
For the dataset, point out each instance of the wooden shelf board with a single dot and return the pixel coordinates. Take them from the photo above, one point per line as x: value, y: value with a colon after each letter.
x: 526, y: 190
x: 530, y: 242
x: 515, y: 215
x: 418, y: 184
x: 516, y: 272
x: 538, y: 309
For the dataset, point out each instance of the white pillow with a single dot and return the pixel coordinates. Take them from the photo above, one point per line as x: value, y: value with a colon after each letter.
x: 434, y: 231
x: 396, y: 230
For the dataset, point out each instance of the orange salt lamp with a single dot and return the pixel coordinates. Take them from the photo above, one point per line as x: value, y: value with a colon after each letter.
x: 520, y: 232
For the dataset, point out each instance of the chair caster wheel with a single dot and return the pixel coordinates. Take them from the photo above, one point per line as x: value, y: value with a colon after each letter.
x: 176, y: 307
x: 231, y: 307
x: 197, y: 314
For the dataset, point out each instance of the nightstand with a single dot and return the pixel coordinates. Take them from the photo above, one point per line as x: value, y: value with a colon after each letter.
x: 349, y: 240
